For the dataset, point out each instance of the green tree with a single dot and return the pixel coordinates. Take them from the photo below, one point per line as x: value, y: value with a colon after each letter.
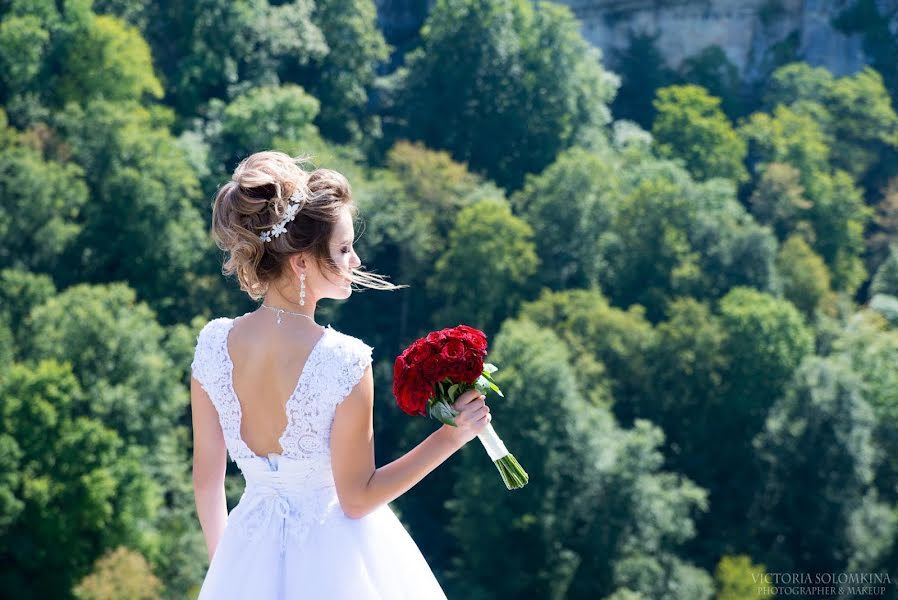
x: 42, y: 203
x: 587, y: 525
x: 671, y: 237
x: 819, y: 437
x: 864, y: 121
x: 885, y: 280
x: 691, y: 126
x: 504, y: 86
x: 703, y: 388
x: 786, y: 136
x: 143, y: 223
x: 407, y: 213
x: 123, y: 360
x: 71, y: 460
x: 23, y: 48
x: 254, y: 121
x: 837, y: 215
x: 733, y: 249
x: 647, y: 257
x: 871, y: 346
x: 120, y: 573
x: 39, y: 37
x: 765, y: 340
x: 569, y: 205
x: 113, y: 344
x: 738, y: 578
x: 684, y: 390
x: 764, y: 335
x: 490, y: 245
x: 797, y: 81
x: 213, y: 49
x: 806, y: 280
x: 20, y: 291
x: 342, y: 78
x: 110, y: 60
x: 855, y: 111
x: 884, y: 232
x: 609, y: 347
x: 779, y: 200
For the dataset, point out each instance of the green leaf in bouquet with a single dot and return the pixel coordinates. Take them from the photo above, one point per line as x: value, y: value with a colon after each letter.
x: 496, y: 389
x: 454, y: 391
x: 443, y: 413
x: 482, y: 384
x: 490, y: 368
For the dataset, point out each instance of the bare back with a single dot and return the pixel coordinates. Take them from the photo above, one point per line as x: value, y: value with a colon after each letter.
x: 268, y: 364
x: 276, y: 392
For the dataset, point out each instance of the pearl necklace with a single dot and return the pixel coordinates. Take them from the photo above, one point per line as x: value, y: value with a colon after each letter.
x: 281, y: 311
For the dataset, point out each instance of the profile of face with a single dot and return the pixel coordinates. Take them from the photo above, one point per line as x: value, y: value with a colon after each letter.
x: 321, y: 283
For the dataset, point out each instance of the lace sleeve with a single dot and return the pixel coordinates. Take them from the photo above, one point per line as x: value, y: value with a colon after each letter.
x: 355, y: 358
x: 201, y: 358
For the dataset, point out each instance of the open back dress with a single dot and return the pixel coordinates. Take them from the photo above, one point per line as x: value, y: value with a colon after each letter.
x: 287, y: 537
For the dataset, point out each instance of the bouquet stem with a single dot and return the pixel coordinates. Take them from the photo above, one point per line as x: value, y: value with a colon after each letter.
x: 513, y: 475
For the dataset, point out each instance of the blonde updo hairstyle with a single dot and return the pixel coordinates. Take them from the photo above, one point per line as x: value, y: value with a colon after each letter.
x: 256, y: 198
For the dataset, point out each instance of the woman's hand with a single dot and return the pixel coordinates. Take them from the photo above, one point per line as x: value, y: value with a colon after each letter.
x: 473, y: 418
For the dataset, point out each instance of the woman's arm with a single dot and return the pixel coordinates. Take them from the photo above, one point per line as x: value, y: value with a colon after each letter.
x: 362, y: 488
x: 209, y: 462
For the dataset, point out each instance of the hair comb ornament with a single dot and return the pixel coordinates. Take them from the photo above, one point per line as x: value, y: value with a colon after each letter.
x: 281, y: 226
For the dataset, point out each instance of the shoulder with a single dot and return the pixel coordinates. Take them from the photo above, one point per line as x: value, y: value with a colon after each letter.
x: 349, y: 347
x: 353, y: 357
x: 204, y: 348
x: 211, y: 330
x: 215, y: 324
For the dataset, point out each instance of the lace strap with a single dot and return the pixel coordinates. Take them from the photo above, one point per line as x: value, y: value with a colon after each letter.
x: 204, y: 356
x: 355, y: 358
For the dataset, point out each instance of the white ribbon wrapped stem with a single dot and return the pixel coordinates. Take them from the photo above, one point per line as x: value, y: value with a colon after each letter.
x: 494, y: 446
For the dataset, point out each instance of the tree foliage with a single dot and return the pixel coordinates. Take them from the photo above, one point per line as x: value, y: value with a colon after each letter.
x: 691, y: 126
x: 504, y: 86
x: 672, y: 306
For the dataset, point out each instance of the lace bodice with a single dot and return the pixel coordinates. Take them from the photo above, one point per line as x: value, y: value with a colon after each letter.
x: 293, y: 490
x: 333, y: 368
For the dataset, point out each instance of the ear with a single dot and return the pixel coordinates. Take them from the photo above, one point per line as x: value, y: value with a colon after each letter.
x: 298, y: 263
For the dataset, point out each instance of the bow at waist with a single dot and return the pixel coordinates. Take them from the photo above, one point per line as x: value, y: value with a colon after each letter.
x: 289, y: 508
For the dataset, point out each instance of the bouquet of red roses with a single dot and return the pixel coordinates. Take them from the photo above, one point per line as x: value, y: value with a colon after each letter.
x: 435, y: 370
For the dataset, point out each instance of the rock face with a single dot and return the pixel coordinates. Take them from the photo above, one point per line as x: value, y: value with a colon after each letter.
x: 752, y: 33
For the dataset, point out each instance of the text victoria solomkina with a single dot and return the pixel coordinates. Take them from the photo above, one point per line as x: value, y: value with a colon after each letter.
x: 873, y: 584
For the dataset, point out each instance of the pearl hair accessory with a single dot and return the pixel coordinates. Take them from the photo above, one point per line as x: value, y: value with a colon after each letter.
x: 280, y: 227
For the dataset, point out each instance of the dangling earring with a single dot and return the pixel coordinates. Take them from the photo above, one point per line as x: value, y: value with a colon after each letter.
x: 302, y: 289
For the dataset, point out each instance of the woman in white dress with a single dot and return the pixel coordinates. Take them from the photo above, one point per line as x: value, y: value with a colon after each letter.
x: 291, y: 403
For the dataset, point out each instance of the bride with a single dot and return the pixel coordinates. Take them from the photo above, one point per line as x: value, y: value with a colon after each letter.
x: 291, y: 403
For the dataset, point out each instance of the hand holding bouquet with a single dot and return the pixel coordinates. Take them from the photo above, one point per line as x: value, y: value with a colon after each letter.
x: 431, y: 374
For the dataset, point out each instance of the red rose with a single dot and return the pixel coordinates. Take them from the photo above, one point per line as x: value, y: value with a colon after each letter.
x: 418, y: 353
x: 473, y: 366
x: 409, y: 396
x: 453, y: 350
x: 398, y: 367
x: 432, y: 368
x: 435, y: 338
x: 473, y: 337
x: 456, y: 353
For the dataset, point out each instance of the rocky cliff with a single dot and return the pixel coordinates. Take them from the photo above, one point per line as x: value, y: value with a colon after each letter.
x: 752, y: 33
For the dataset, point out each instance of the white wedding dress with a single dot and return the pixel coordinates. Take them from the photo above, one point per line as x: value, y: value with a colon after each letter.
x: 288, y: 537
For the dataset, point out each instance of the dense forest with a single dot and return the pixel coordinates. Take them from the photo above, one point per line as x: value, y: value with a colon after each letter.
x: 691, y: 289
